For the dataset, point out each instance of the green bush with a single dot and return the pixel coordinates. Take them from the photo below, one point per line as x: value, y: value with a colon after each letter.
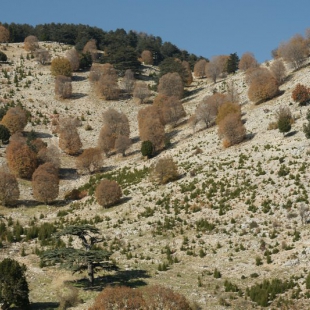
x: 147, y: 149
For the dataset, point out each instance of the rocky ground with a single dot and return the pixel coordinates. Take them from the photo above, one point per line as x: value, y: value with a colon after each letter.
x: 229, y: 206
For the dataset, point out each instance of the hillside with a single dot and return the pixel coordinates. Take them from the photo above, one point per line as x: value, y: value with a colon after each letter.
x: 228, y: 208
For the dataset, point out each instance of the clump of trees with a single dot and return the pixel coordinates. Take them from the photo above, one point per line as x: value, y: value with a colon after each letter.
x: 45, y: 183
x: 63, y: 87
x: 108, y: 193
x: 301, y: 94
x: 14, y: 289
x: 115, y: 130
x: 165, y: 170
x: 9, y: 191
x: 61, y: 66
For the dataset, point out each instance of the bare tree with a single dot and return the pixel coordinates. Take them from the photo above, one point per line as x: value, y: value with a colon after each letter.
x: 294, y: 51
x: 42, y: 55
x: 95, y: 72
x: 108, y: 193
x: 216, y: 67
x: 91, y: 47
x: 141, y: 91
x: 189, y: 75
x: 200, y: 68
x: 232, y: 92
x: 107, y: 87
x: 31, y: 43
x: 171, y: 84
x: 90, y: 160
x: 147, y: 57
x: 74, y: 58
x: 106, y: 140
x: 164, y: 170
x: 278, y: 70
x: 15, y: 119
x: 63, y: 87
x: 247, y: 61
x: 128, y: 81
x: 122, y: 144
x: 45, y: 183
x: 50, y: 154
x: 4, y: 34
x: 117, y: 122
x: 9, y: 191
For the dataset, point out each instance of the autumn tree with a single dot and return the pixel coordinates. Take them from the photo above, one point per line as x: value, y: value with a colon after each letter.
x: 128, y: 81
x: 90, y: 160
x: 9, y: 191
x: 170, y: 109
x: 284, y: 119
x: 141, y: 92
x: 231, y: 130
x: 49, y: 154
x: 108, y: 193
x: 232, y: 92
x: 74, y: 59
x: 147, y: 57
x: 216, y: 67
x: 278, y: 70
x: 45, y: 183
x: 189, y: 76
x: 228, y: 108
x: 69, y: 139
x: 91, y: 48
x: 151, y: 127
x: 31, y: 43
x: 106, y: 140
x: 85, y: 256
x: 171, y: 84
x: 247, y: 61
x: 96, y: 71
x: 164, y: 170
x: 294, y: 52
x: 122, y: 144
x: 4, y: 34
x: 15, y: 119
x: 63, y: 87
x: 14, y: 291
x: 200, y: 68
x: 42, y: 55
x: 263, y: 85
x: 21, y: 160
x: 61, y: 66
x: 301, y: 94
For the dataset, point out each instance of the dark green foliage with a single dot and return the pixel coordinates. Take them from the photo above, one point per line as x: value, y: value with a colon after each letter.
x: 230, y: 287
x: 263, y: 293
x: 170, y: 65
x: 308, y: 281
x: 204, y: 225
x: 13, y: 285
x: 3, y: 111
x: 232, y: 63
x: 85, y: 61
x: 4, y: 134
x: 284, y: 125
x: 147, y: 149
x: 3, y: 56
x: 217, y: 274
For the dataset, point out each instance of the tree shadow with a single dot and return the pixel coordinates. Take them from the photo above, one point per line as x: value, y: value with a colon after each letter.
x: 189, y: 93
x: 130, y: 278
x: 30, y: 203
x: 78, y: 78
x: 291, y: 133
x: 43, y: 135
x: 250, y: 136
x: 78, y: 95
x: 135, y: 139
x: 68, y: 174
x: 279, y: 94
x: 44, y: 305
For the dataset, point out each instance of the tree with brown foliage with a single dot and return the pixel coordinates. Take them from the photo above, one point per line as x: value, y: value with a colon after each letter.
x: 106, y: 140
x: 151, y: 127
x: 90, y: 160
x: 31, y: 43
x: 278, y: 70
x: 91, y: 47
x: 74, y: 58
x: 171, y: 84
x: 189, y: 76
x: 232, y: 130
x: 263, y: 85
x: 200, y: 69
x: 49, y: 154
x: 15, y: 119
x: 9, y: 191
x: 141, y: 91
x: 107, y: 85
x: 108, y: 193
x: 147, y: 57
x: 63, y: 87
x: 42, y: 55
x: 122, y: 144
x: 4, y: 34
x: 128, y: 81
x: 247, y: 61
x: 216, y: 67
x: 21, y: 160
x: 226, y: 109
x: 45, y: 183
x: 301, y: 94
x: 164, y: 170
x: 96, y: 70
x: 69, y: 139
x: 37, y: 144
x: 119, y: 298
x: 170, y: 109
x: 294, y: 52
x: 61, y: 66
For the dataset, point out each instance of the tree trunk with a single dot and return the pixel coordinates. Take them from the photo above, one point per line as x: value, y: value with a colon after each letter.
x: 90, y: 272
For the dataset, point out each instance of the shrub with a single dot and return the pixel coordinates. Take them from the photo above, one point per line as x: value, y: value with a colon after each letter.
x: 68, y: 297
x: 165, y: 170
x: 284, y: 119
x: 3, y: 56
x: 147, y: 148
x: 301, y: 94
x: 61, y: 66
x: 108, y: 193
x: 4, y: 134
